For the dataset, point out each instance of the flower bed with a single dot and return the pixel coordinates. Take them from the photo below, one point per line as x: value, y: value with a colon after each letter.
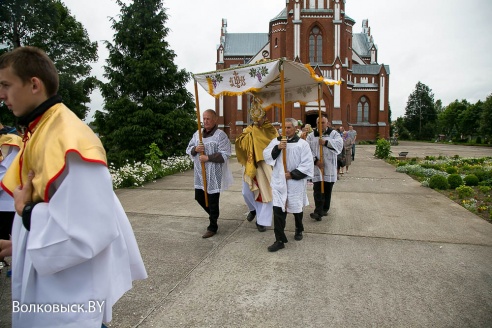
x: 475, y: 193
x: 135, y: 174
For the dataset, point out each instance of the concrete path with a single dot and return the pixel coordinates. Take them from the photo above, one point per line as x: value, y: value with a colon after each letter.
x: 390, y: 254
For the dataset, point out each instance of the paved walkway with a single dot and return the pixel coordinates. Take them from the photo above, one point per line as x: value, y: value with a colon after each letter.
x: 390, y: 254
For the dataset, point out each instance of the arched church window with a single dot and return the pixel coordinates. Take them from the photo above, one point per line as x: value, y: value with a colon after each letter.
x: 363, y: 110
x: 315, y: 46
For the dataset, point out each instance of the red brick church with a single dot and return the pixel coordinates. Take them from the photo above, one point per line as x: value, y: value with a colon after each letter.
x: 318, y: 32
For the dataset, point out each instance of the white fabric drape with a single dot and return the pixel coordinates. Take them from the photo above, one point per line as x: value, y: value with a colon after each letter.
x: 263, y: 81
x: 80, y: 248
x: 264, y: 211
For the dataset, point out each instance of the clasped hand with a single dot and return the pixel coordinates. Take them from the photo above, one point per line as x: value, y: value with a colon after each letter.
x: 283, y: 144
x: 200, y: 148
x: 23, y: 194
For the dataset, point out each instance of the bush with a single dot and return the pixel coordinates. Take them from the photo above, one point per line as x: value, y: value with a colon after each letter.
x: 438, y: 182
x: 479, y: 173
x: 383, y: 149
x: 484, y: 189
x: 153, y: 158
x: 465, y: 192
x: 471, y: 180
x: 485, y: 183
x: 455, y: 181
x: 451, y: 170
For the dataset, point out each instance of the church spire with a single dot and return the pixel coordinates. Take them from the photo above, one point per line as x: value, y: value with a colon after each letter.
x: 223, y: 31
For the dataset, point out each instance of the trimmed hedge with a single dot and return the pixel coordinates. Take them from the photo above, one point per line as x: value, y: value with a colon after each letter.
x: 455, y: 181
x: 471, y: 180
x: 438, y: 182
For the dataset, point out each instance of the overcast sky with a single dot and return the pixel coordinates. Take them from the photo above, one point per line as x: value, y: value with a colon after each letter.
x: 444, y: 44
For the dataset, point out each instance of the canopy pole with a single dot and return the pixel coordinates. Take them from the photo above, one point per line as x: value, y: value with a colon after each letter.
x: 282, y: 97
x: 322, y: 169
x: 199, y: 123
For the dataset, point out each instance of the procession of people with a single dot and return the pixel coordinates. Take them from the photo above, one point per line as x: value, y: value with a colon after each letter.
x: 58, y: 202
x: 276, y: 170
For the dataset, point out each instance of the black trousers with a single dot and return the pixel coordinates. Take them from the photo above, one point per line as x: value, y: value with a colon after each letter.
x: 6, y: 221
x: 322, y: 201
x: 279, y: 219
x: 212, y: 209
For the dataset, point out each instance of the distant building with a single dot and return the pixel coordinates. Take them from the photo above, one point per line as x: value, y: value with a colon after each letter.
x: 318, y: 32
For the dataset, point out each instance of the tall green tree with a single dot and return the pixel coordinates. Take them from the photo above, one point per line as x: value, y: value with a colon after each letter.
x: 48, y: 24
x: 420, y: 113
x: 401, y: 130
x: 486, y: 119
x: 146, y: 100
x: 438, y: 106
x: 469, y: 119
x: 449, y: 118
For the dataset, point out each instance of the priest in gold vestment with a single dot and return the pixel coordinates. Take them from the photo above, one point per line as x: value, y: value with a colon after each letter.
x: 256, y: 189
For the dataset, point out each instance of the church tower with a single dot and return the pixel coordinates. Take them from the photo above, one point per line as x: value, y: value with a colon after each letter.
x: 319, y: 32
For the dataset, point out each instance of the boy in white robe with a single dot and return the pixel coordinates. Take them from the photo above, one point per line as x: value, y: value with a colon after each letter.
x: 74, y: 253
x: 288, y: 186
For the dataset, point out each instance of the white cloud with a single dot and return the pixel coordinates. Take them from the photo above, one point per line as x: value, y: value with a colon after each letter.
x: 441, y: 43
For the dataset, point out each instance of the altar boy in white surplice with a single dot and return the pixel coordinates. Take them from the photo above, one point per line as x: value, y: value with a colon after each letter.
x: 74, y: 253
x: 288, y: 186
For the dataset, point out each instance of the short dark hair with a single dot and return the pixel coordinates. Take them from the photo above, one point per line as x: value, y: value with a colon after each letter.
x: 29, y: 62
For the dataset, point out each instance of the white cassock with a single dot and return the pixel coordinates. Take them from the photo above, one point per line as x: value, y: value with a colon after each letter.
x: 335, y: 146
x: 6, y: 201
x: 290, y: 192
x: 263, y: 210
x: 80, y: 249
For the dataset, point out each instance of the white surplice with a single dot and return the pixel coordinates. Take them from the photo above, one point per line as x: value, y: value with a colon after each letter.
x: 6, y: 201
x: 335, y: 146
x: 290, y: 194
x: 219, y: 176
x: 80, y: 249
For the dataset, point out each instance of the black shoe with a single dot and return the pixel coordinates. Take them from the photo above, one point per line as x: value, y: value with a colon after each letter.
x: 260, y: 228
x: 315, y: 216
x: 251, y: 216
x: 325, y: 213
x: 276, y: 246
x: 209, y: 234
x: 298, y: 235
